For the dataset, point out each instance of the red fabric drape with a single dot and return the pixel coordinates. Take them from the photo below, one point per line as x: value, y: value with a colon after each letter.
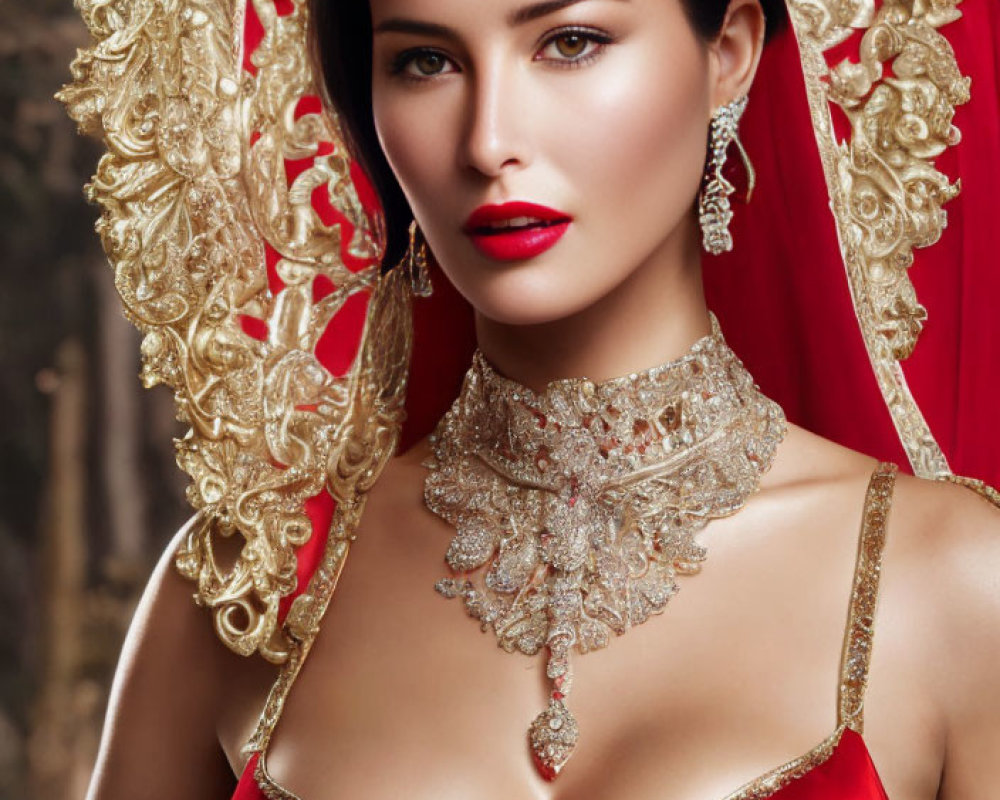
x: 782, y: 295
x: 247, y: 788
x: 848, y: 774
x: 955, y: 371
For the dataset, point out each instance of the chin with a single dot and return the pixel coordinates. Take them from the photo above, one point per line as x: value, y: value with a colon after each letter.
x: 526, y: 295
x: 540, y: 314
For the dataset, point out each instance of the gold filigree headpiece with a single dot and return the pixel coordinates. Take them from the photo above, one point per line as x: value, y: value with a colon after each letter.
x: 242, y: 251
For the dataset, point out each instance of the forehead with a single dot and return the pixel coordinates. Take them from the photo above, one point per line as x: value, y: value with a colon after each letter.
x: 510, y: 12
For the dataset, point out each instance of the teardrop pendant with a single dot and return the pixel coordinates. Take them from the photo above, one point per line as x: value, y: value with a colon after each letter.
x: 553, y: 736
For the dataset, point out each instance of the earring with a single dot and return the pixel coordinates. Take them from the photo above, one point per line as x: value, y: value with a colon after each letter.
x: 416, y: 262
x: 714, y: 211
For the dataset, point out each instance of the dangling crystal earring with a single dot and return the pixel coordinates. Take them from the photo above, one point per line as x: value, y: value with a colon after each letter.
x: 714, y: 211
x: 416, y: 263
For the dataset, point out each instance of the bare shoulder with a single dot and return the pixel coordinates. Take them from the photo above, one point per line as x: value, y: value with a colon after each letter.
x: 170, y: 698
x: 945, y: 520
x: 941, y: 589
x: 943, y: 540
x: 947, y: 555
x: 938, y: 654
x: 941, y: 560
x: 946, y: 548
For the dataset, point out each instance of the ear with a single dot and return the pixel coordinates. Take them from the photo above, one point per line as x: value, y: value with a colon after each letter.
x: 735, y: 53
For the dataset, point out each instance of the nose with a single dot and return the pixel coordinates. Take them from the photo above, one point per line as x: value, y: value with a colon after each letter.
x: 495, y: 139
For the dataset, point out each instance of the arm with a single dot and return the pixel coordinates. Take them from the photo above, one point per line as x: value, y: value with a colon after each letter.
x: 160, y: 737
x: 967, y: 670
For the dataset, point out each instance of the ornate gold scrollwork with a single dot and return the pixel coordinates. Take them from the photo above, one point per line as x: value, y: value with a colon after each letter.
x: 194, y: 183
x: 887, y: 196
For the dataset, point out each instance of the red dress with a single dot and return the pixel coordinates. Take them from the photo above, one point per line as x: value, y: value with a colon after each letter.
x: 839, y: 768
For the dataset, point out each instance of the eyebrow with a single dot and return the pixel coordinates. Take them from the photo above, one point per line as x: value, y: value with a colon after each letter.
x: 521, y: 16
x: 538, y: 10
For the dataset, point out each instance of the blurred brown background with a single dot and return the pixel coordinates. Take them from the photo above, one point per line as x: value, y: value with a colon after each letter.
x: 89, y: 493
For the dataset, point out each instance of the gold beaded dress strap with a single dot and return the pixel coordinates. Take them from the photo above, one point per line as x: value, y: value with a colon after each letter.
x: 857, y: 652
x: 304, y: 620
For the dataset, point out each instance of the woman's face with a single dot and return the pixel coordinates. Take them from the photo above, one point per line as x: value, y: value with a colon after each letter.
x: 593, y: 112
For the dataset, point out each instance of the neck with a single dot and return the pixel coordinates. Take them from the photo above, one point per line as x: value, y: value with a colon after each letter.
x: 654, y: 316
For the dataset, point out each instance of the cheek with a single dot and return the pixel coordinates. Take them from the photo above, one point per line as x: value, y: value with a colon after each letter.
x: 414, y: 132
x: 637, y: 141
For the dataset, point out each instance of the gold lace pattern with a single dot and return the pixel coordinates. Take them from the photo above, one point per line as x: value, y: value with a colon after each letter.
x: 886, y: 195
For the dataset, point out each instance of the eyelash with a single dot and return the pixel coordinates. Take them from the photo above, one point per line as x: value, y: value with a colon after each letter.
x: 592, y: 36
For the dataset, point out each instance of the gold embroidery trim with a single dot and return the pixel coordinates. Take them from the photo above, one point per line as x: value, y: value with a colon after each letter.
x: 857, y: 652
x: 191, y: 187
x: 981, y: 488
x: 320, y: 592
x: 771, y: 782
x: 886, y: 196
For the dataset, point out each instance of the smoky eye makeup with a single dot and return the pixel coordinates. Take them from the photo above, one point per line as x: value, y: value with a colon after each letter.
x: 425, y: 60
x: 565, y: 47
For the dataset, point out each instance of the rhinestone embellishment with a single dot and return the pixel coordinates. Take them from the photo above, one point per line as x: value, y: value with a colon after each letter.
x: 553, y: 736
x: 575, y: 510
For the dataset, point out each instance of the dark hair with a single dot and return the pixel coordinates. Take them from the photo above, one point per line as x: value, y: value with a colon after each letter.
x: 341, y: 36
x: 707, y: 16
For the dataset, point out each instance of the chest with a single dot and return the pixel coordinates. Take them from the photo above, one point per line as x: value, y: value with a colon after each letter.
x: 403, y: 695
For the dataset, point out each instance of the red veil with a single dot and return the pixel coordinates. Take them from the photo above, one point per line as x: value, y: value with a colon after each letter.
x: 783, y: 295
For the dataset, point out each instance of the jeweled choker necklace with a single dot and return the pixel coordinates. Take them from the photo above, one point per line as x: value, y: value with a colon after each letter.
x: 576, y: 509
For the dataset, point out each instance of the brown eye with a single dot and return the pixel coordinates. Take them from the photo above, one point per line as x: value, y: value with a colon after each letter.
x: 571, y: 45
x: 429, y: 63
x: 572, y: 48
x: 421, y: 63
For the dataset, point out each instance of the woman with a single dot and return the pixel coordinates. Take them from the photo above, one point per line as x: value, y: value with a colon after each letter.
x: 552, y: 155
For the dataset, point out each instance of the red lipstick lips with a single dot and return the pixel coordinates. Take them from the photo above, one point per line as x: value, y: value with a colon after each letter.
x: 515, y: 231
